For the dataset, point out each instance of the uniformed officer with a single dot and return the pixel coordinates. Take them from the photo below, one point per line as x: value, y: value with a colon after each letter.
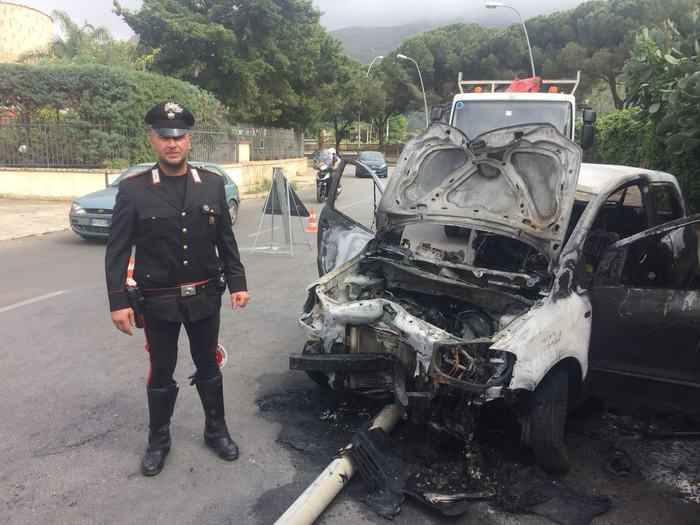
x: 186, y: 254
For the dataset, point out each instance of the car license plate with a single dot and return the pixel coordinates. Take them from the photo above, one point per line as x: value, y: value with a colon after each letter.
x: 99, y: 222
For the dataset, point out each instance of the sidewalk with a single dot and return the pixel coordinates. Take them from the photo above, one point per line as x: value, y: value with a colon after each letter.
x: 27, y: 217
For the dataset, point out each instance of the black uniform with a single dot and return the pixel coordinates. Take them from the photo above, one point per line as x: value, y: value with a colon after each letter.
x: 177, y: 243
x: 185, y: 249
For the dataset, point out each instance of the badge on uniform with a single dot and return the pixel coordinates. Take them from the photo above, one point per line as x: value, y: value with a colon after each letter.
x: 207, y: 210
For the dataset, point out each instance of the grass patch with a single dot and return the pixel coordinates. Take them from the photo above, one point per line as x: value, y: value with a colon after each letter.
x: 261, y: 186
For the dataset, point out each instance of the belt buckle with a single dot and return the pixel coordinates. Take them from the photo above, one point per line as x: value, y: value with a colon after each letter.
x: 187, y: 290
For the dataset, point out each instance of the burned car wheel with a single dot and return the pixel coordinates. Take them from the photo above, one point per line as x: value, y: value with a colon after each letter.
x: 544, y: 424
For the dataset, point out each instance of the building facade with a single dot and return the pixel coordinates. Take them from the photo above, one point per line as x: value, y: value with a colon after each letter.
x: 22, y: 29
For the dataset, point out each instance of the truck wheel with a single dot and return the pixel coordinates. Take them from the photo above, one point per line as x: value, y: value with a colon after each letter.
x: 545, y: 420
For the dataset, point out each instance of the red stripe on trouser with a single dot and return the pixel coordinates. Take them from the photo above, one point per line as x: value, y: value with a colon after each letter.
x: 148, y: 350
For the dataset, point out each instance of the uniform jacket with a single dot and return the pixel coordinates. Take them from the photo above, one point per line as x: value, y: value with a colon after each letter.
x: 174, y: 244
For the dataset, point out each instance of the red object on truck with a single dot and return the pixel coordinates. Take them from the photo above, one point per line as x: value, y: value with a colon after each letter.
x: 525, y: 85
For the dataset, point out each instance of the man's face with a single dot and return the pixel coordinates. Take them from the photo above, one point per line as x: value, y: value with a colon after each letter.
x: 171, y: 151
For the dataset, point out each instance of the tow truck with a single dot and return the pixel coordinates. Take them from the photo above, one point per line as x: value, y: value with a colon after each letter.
x: 486, y: 105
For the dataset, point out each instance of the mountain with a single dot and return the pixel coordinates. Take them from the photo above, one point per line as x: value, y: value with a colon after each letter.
x: 364, y: 43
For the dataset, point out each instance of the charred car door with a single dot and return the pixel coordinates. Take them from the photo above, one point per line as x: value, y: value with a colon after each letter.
x: 340, y: 238
x: 645, y: 341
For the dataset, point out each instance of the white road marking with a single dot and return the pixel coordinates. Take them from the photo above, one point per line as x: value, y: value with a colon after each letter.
x: 31, y: 301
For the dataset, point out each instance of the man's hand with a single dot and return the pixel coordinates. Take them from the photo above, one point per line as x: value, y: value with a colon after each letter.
x: 124, y: 319
x: 239, y: 299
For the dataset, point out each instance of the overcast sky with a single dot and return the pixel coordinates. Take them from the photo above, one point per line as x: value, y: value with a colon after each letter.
x: 337, y: 13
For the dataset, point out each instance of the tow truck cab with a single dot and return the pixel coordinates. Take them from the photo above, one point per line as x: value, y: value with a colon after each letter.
x: 485, y: 105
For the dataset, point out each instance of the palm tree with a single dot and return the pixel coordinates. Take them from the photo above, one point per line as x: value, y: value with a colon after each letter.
x: 78, y: 44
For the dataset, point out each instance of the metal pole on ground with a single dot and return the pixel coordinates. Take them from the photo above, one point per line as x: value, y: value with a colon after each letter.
x: 313, y: 501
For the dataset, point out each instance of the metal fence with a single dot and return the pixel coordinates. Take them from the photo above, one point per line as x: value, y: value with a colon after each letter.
x: 221, y: 144
x: 80, y: 144
x: 90, y: 145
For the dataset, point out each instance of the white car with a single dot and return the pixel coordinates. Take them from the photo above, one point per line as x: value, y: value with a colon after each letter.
x: 564, y: 278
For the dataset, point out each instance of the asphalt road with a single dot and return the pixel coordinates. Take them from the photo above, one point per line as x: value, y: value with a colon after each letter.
x: 73, y: 415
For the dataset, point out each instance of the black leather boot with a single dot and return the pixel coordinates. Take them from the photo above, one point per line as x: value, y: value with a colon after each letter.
x: 161, y: 402
x: 216, y: 434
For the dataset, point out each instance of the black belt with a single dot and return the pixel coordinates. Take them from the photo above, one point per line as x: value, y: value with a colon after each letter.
x: 183, y: 290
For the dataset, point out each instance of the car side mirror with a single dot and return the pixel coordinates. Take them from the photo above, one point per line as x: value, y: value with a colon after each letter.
x: 436, y: 114
x: 588, y: 131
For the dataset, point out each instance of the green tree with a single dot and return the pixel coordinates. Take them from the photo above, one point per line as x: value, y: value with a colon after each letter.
x: 88, y: 44
x: 262, y: 58
x: 663, y: 79
x: 596, y: 37
x: 400, y: 92
x: 350, y: 94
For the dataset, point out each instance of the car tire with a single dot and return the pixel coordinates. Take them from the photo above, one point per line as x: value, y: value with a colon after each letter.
x: 545, y: 421
x: 233, y: 211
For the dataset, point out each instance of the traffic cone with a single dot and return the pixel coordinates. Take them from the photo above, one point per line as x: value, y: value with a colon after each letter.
x: 312, y: 222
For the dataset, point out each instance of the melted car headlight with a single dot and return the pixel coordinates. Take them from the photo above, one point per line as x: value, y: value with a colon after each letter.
x: 77, y: 209
x: 472, y: 366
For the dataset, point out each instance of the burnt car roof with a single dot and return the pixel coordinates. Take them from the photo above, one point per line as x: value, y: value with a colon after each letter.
x: 595, y: 178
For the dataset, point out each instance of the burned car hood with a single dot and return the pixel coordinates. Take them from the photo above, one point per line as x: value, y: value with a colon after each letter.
x: 518, y: 181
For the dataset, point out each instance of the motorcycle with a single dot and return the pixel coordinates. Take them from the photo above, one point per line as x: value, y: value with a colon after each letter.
x: 323, y: 175
x: 323, y: 181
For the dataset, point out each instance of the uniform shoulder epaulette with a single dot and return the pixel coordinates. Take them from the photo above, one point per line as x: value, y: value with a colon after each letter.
x: 202, y: 169
x: 137, y: 174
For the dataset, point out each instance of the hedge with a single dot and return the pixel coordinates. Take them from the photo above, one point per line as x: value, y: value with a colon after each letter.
x: 623, y: 139
x: 113, y: 98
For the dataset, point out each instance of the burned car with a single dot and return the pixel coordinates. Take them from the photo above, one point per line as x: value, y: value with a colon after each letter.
x: 565, y: 278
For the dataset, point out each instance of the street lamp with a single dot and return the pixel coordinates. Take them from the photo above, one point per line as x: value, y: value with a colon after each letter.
x: 425, y: 102
x: 359, y: 139
x: 378, y: 57
x: 494, y: 5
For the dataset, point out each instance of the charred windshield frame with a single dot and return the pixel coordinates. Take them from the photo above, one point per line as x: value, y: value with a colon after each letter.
x: 470, y: 116
x: 390, y: 240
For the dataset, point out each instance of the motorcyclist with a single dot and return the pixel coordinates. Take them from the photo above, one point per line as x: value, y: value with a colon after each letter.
x: 328, y: 164
x: 335, y: 160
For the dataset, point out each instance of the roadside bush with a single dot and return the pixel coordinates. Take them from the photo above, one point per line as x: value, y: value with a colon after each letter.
x: 112, y: 101
x: 623, y: 138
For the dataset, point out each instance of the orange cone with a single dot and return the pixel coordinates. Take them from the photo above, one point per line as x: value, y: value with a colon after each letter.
x: 312, y: 228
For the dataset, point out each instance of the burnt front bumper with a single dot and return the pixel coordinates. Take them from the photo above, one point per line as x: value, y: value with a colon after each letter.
x: 339, y: 362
